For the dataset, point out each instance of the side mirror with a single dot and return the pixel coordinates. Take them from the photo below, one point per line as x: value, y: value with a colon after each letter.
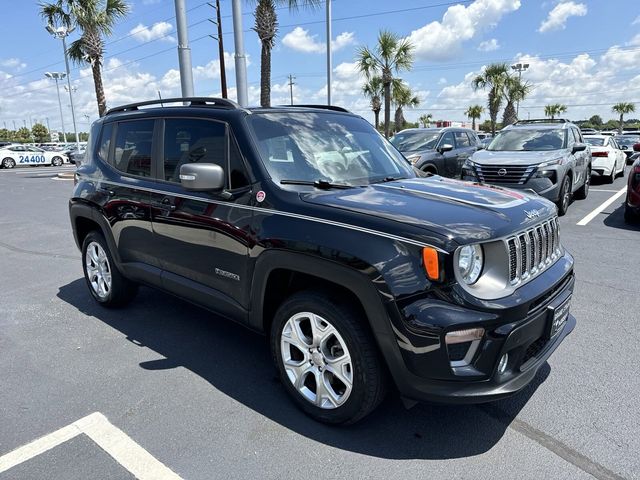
x: 445, y: 148
x: 201, y: 177
x: 578, y: 147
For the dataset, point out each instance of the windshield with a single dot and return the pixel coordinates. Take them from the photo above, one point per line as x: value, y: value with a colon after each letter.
x: 529, y: 140
x: 411, y: 141
x: 627, y: 139
x: 324, y: 146
x: 596, y: 142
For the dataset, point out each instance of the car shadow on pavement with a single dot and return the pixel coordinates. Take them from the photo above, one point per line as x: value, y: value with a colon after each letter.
x: 616, y: 220
x: 238, y: 363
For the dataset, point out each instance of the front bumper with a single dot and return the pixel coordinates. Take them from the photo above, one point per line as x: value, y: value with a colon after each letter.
x: 518, y: 325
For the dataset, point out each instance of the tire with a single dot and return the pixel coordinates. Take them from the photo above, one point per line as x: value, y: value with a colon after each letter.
x: 429, y: 169
x: 621, y: 173
x: 564, y: 198
x: 56, y: 161
x: 344, y: 334
x: 8, y: 162
x: 583, y: 191
x: 107, y: 285
x: 611, y: 178
x: 630, y: 216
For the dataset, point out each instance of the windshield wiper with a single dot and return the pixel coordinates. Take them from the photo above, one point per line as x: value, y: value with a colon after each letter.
x: 321, y: 184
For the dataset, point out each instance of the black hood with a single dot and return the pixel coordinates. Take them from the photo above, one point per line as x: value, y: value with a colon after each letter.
x: 462, y: 211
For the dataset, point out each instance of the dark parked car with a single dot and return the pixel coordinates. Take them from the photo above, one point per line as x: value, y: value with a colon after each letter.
x: 627, y: 143
x: 632, y: 202
x: 440, y: 151
x: 305, y: 224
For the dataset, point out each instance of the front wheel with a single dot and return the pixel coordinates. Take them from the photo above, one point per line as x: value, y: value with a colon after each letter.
x: 565, y: 196
x: 56, y: 161
x: 8, y: 162
x: 326, y: 358
x: 106, y: 284
x: 583, y: 191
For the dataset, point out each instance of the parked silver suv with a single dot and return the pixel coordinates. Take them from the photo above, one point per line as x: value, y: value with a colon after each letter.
x: 549, y: 157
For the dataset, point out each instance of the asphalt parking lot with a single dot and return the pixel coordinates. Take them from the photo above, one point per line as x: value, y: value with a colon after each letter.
x: 164, y: 390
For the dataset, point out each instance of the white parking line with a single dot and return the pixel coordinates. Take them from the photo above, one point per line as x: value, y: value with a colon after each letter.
x: 140, y: 463
x: 602, y: 190
x: 599, y: 209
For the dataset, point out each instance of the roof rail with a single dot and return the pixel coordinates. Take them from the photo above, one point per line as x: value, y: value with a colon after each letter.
x: 193, y: 102
x: 542, y: 120
x: 335, y: 108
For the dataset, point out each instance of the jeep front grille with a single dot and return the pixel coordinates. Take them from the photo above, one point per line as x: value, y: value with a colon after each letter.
x: 504, y: 173
x: 533, y: 250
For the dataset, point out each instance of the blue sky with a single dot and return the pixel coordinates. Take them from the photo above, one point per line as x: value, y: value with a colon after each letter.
x: 583, y: 53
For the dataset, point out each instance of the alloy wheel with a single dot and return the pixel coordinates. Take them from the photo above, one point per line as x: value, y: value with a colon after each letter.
x: 316, y: 360
x: 98, y: 270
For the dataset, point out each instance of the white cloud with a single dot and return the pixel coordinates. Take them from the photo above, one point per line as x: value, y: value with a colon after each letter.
x: 299, y: 39
x: 157, y: 31
x: 558, y: 16
x: 489, y: 45
x: 15, y: 63
x: 442, y: 40
x: 442, y: 81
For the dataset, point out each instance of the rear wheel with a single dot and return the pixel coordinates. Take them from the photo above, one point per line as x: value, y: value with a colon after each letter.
x: 326, y: 358
x: 8, y: 162
x: 56, y: 161
x: 565, y: 196
x: 583, y: 191
x: 630, y: 216
x: 621, y: 173
x: 106, y: 284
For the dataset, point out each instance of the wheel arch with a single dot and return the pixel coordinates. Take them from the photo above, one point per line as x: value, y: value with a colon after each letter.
x: 86, y: 218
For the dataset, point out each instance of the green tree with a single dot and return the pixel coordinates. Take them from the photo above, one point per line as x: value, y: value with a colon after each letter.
x: 23, y: 135
x: 623, y: 108
x: 474, y: 112
x: 373, y: 90
x: 402, y: 96
x: 5, y: 135
x: 596, y: 121
x: 425, y: 119
x: 40, y: 133
x: 95, y: 19
x: 493, y: 78
x: 390, y: 55
x: 266, y: 26
x: 514, y: 91
x: 554, y: 109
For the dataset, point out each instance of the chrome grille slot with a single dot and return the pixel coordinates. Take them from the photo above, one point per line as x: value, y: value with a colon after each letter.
x: 504, y: 173
x: 533, y: 250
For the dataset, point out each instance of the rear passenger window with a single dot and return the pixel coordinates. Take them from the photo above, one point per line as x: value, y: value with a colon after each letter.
x: 462, y: 141
x: 133, y: 147
x: 201, y: 141
x: 105, y: 142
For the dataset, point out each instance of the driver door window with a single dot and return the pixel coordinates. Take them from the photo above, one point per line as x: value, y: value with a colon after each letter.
x: 447, y: 139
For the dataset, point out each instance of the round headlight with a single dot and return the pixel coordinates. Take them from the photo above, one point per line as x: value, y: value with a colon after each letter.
x: 470, y: 262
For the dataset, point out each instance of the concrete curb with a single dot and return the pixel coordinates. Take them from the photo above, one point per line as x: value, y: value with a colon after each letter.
x: 67, y: 175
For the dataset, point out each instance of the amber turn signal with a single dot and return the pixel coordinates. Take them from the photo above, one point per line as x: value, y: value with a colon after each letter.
x: 431, y: 264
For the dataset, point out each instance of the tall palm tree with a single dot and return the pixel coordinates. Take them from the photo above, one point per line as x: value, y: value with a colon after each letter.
x: 402, y: 96
x: 374, y: 91
x: 493, y: 78
x: 623, y: 108
x: 266, y: 26
x: 474, y: 112
x: 95, y: 19
x: 425, y: 119
x: 514, y: 90
x: 390, y: 55
x: 554, y: 109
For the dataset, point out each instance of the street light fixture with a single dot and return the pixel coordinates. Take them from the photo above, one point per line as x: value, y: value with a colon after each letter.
x: 62, y: 33
x: 59, y: 76
x: 519, y: 67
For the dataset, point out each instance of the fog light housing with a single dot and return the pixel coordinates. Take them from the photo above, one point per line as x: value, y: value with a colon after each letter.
x: 502, y: 366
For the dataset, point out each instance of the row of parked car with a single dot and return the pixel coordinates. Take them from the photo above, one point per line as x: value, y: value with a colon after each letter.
x: 14, y: 154
x: 553, y: 158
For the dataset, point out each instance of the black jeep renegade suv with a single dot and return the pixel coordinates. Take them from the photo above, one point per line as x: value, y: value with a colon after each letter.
x: 307, y: 225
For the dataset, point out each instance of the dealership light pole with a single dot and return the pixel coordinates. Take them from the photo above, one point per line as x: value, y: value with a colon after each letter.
x: 241, y: 61
x: 519, y: 67
x: 329, y: 59
x: 59, y: 76
x: 62, y: 33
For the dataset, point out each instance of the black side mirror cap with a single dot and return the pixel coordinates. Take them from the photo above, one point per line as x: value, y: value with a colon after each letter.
x: 578, y: 147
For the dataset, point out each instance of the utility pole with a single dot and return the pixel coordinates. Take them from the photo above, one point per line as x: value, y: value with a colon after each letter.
x: 48, y: 128
x: 241, y: 62
x: 218, y: 22
x: 59, y: 76
x: 519, y: 67
x: 14, y: 126
x: 329, y: 59
x: 291, y: 84
x: 184, y: 52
